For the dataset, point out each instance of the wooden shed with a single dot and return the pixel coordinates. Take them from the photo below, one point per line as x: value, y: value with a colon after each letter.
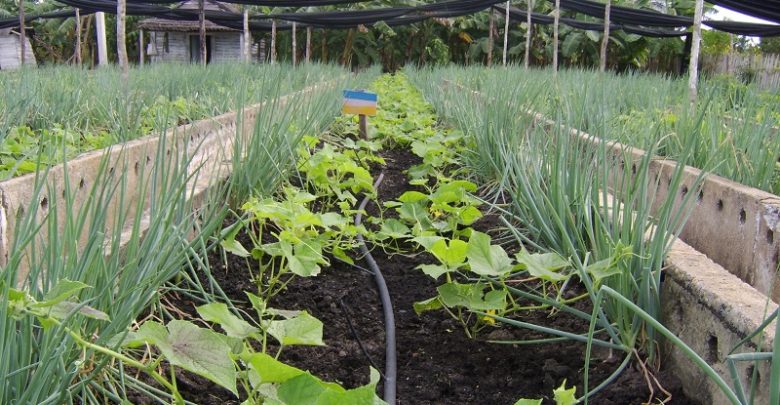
x: 179, y: 41
x: 11, y: 50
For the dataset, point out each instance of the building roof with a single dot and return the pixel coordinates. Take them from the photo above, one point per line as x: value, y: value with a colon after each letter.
x: 208, y: 5
x: 164, y: 24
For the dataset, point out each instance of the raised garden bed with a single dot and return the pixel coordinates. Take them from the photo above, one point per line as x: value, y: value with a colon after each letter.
x: 437, y: 362
x: 721, y: 276
x: 445, y: 254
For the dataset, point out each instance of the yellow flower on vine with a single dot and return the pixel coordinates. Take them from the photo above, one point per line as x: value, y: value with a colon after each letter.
x: 488, y: 319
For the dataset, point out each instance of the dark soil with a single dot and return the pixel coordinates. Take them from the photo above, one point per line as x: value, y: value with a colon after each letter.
x: 437, y: 362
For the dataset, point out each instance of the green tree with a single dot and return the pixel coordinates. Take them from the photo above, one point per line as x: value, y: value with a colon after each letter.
x: 769, y: 45
x: 715, y: 42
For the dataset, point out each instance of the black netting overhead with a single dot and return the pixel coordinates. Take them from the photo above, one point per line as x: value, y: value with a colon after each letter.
x: 391, y: 16
x: 455, y: 8
x: 636, y: 21
x: 742, y: 28
x: 14, y: 22
x: 110, y: 7
x: 268, y: 3
x: 537, y: 18
x: 766, y: 9
x: 626, y: 15
x: 646, y: 22
x: 341, y: 19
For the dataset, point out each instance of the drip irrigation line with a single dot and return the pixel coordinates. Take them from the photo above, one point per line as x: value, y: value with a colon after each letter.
x: 356, y: 336
x: 391, y: 367
x: 361, y: 268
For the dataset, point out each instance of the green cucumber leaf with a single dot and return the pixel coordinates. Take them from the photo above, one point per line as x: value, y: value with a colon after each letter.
x: 433, y: 270
x: 233, y: 326
x: 469, y: 214
x: 431, y: 304
x: 200, y: 351
x: 603, y: 269
x: 61, y: 310
x: 472, y: 296
x: 542, y: 265
x: 270, y: 370
x: 303, y: 329
x: 235, y: 247
x: 564, y: 396
x: 486, y: 259
x: 63, y: 290
x: 452, y: 255
x: 524, y: 401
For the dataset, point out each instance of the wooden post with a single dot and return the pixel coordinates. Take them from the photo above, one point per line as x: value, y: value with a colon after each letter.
x: 308, y: 44
x: 506, y: 31
x: 247, y: 37
x: 141, y: 47
x: 121, y: 43
x: 491, y: 26
x: 78, y: 37
x: 273, y: 41
x: 22, y: 35
x: 605, y: 40
x: 324, y: 49
x: 100, y: 30
x: 294, y: 44
x: 363, y: 126
x: 693, y: 69
x: 202, y: 31
x: 528, y: 32
x: 555, y: 35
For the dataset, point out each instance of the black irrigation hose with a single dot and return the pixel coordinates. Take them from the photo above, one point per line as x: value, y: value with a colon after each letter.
x: 355, y: 334
x: 391, y: 367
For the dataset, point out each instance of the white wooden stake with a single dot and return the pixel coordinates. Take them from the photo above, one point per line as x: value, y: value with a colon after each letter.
x: 247, y: 37
x: 78, y: 37
x: 100, y: 30
x: 605, y: 40
x: 294, y: 44
x: 308, y: 44
x: 528, y: 32
x: 506, y: 31
x: 491, y: 27
x: 693, y: 69
x: 273, y: 41
x: 22, y: 35
x: 202, y: 31
x: 121, y: 43
x: 555, y: 35
x: 141, y: 47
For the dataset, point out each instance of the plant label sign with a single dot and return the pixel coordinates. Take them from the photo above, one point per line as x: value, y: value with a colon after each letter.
x: 359, y: 102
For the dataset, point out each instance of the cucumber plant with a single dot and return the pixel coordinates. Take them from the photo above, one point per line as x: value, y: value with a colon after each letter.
x: 228, y: 359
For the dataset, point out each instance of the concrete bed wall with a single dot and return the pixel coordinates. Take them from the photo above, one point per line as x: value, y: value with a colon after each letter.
x: 725, y: 214
x: 719, y: 282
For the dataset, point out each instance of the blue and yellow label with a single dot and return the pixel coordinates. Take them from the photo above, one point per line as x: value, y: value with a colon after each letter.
x: 359, y: 102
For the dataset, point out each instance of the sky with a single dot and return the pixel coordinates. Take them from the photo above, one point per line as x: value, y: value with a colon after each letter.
x: 724, y: 13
